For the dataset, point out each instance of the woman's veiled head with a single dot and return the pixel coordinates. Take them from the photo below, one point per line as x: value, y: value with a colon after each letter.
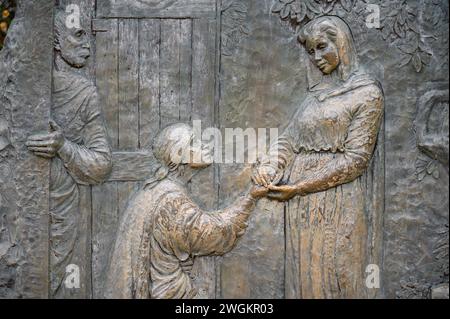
x: 329, y: 43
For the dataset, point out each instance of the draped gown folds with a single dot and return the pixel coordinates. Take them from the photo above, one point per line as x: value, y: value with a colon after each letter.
x: 328, y: 146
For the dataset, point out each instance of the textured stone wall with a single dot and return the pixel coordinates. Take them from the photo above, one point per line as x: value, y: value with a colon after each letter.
x: 25, y: 93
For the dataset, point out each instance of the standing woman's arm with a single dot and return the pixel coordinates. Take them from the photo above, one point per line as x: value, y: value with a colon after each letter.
x: 358, y: 148
x: 346, y: 166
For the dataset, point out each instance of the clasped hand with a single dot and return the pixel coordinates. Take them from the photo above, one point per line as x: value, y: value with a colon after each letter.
x: 265, y: 178
x: 47, y: 145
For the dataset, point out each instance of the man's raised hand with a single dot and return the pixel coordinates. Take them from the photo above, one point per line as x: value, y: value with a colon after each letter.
x: 47, y: 145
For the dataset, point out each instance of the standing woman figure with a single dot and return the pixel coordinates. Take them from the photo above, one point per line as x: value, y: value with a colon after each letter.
x: 317, y: 168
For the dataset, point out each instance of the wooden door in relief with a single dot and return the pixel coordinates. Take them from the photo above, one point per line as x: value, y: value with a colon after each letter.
x: 155, y: 65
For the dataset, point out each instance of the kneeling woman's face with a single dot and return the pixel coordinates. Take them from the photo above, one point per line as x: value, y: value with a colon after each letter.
x: 200, y: 155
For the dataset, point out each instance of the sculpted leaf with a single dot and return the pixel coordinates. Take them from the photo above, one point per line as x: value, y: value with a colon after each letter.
x: 302, y: 14
x: 408, y: 48
x: 412, y: 25
x: 296, y: 7
x: 417, y: 62
x: 421, y: 175
x: 424, y: 48
x: 285, y: 12
x: 347, y: 5
x: 385, y: 33
x: 278, y: 7
x: 244, y: 29
x: 234, y: 25
x: 406, y: 59
x: 393, y: 13
x: 421, y: 169
x: 426, y: 58
x: 327, y: 7
x: 402, y: 17
x: 312, y: 6
x: 399, y: 29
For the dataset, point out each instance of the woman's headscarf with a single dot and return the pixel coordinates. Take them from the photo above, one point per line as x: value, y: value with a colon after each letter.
x: 339, y: 32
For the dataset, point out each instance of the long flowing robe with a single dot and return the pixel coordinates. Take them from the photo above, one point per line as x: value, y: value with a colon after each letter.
x: 328, y: 146
x: 85, y: 159
x: 162, y: 228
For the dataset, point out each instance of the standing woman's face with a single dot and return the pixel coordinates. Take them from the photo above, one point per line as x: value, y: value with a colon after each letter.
x: 323, y: 52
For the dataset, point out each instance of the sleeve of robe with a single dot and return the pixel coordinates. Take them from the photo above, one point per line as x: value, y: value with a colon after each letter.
x: 344, y: 167
x: 89, y: 163
x: 199, y: 233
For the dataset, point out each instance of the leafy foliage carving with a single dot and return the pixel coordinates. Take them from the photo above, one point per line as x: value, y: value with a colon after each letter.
x: 401, y: 24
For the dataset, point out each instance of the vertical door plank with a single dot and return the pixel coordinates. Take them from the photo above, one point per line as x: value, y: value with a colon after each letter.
x: 149, y: 47
x: 202, y: 187
x: 203, y: 70
x: 170, y: 71
x: 203, y: 99
x: 104, y: 197
x: 185, y: 63
x: 82, y: 251
x: 128, y: 84
x: 104, y: 228
x: 128, y: 100
x: 107, y: 69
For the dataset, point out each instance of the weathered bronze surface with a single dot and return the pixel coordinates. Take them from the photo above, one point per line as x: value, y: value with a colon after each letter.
x: 349, y: 201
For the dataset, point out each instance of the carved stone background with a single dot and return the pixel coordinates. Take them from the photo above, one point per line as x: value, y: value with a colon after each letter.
x: 25, y: 94
x: 240, y: 66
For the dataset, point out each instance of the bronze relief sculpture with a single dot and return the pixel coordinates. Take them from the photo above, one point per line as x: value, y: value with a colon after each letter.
x: 349, y: 202
x: 319, y: 160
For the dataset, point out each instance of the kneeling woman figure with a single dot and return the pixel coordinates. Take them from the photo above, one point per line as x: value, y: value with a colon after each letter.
x: 162, y: 229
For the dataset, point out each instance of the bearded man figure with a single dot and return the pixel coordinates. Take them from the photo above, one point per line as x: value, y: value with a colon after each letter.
x: 76, y: 145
